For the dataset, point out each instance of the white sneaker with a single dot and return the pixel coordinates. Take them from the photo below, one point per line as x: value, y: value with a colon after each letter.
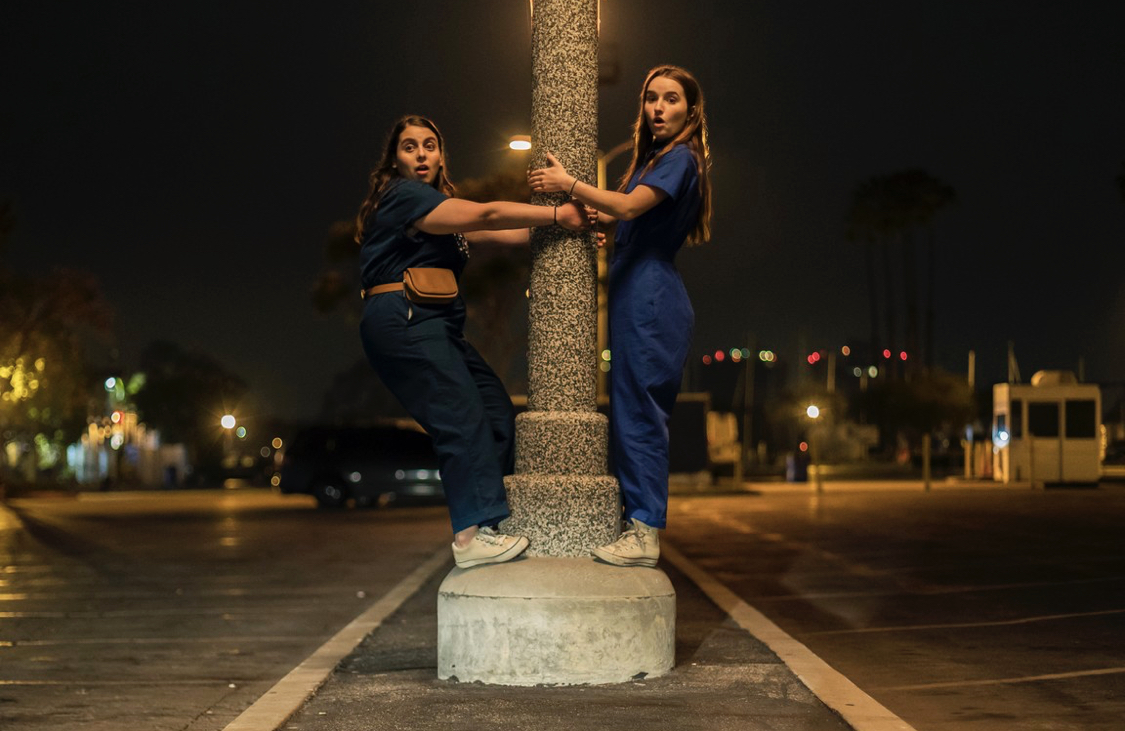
x: 638, y: 546
x: 488, y: 546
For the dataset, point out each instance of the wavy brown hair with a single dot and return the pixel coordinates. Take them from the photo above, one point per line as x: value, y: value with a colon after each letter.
x: 385, y: 172
x: 694, y: 135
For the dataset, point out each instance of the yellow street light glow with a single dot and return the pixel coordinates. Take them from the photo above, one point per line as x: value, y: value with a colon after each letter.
x: 227, y: 421
x: 520, y: 142
x: 812, y: 411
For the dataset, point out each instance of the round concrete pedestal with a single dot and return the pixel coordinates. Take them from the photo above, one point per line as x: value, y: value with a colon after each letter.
x: 555, y: 621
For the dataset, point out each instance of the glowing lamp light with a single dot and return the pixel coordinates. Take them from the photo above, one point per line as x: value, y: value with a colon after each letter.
x: 706, y: 360
x: 803, y: 446
x: 241, y: 432
x: 812, y: 411
x: 227, y: 421
x: 116, y: 417
x: 902, y: 355
x: 520, y: 142
x: 720, y: 356
x: 857, y: 371
x: 886, y: 353
x: 276, y: 442
x: 846, y: 351
x: 606, y: 354
x: 872, y: 371
x: 110, y: 383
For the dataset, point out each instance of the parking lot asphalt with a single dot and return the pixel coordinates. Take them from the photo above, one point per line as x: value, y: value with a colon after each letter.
x: 734, y: 670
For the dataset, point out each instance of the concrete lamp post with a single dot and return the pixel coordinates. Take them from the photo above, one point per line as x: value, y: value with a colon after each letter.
x: 558, y: 617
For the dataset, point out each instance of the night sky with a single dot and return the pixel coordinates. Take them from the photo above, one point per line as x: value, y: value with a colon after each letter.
x: 194, y: 156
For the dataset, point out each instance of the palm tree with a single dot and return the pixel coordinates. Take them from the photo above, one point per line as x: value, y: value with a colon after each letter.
x: 887, y: 212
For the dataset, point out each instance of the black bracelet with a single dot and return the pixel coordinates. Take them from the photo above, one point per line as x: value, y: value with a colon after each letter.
x: 556, y: 221
x: 571, y: 193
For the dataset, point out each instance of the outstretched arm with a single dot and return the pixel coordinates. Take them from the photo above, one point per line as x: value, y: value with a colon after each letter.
x: 505, y: 237
x: 622, y: 206
x: 461, y: 216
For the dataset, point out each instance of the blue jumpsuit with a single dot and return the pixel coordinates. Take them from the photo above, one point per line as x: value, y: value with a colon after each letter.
x: 421, y: 355
x: 650, y: 325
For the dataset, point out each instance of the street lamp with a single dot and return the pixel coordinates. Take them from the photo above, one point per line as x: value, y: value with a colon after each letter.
x: 813, y: 412
x: 227, y: 422
x: 603, y: 270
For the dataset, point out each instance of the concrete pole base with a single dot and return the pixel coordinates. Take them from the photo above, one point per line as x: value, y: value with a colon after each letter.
x: 555, y: 621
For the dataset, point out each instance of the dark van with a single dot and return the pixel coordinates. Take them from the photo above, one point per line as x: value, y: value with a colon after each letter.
x: 365, y: 464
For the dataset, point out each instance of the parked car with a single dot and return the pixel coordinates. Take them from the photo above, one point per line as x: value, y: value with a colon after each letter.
x: 368, y: 465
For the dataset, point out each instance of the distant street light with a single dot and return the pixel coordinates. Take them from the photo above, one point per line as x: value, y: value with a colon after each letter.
x: 520, y: 142
x: 227, y: 421
x: 813, y: 412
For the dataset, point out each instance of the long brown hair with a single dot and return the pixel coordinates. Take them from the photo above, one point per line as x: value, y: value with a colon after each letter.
x: 386, y: 171
x: 694, y: 135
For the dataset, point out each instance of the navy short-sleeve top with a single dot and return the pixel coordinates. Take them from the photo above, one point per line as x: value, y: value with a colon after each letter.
x: 389, y: 248
x: 660, y: 231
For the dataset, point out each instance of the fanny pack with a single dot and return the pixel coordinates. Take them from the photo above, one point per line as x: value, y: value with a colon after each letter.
x: 423, y: 285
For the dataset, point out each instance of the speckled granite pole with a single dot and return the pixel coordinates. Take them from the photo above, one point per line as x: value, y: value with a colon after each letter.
x: 557, y: 617
x: 561, y: 497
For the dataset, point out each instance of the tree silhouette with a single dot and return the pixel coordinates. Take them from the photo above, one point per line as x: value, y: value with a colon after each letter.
x: 46, y: 325
x: 887, y: 213
x: 184, y: 395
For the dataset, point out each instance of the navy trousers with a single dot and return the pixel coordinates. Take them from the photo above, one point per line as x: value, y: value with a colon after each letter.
x: 651, y: 322
x: 421, y: 355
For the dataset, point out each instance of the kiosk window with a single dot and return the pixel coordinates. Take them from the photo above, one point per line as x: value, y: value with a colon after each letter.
x: 1081, y: 419
x: 1043, y: 419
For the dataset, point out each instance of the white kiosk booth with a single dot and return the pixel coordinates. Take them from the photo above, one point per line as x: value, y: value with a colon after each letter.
x: 1048, y: 431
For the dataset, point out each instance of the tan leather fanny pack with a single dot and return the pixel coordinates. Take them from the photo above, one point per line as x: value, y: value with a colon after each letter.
x: 424, y: 285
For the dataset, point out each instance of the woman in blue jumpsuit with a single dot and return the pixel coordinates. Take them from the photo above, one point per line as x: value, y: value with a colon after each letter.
x: 411, y: 219
x: 664, y: 201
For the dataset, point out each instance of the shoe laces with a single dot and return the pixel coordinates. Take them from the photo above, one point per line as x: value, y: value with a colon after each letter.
x: 489, y: 535
x: 633, y: 535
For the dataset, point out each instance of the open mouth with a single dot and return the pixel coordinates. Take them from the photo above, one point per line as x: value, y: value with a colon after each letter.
x: 421, y: 170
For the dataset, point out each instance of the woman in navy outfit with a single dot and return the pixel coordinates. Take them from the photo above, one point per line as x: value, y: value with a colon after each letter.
x: 664, y: 201
x: 411, y: 219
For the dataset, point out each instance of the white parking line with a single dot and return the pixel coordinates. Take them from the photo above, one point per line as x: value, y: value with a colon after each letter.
x: 860, y: 710
x: 1008, y: 681
x: 284, y: 699
x: 968, y: 625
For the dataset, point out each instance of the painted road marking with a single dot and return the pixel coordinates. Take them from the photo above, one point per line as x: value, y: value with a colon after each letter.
x: 860, y: 710
x: 1007, y: 681
x: 291, y: 692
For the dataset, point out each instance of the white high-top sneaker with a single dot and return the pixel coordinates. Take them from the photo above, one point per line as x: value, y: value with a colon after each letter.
x: 638, y: 546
